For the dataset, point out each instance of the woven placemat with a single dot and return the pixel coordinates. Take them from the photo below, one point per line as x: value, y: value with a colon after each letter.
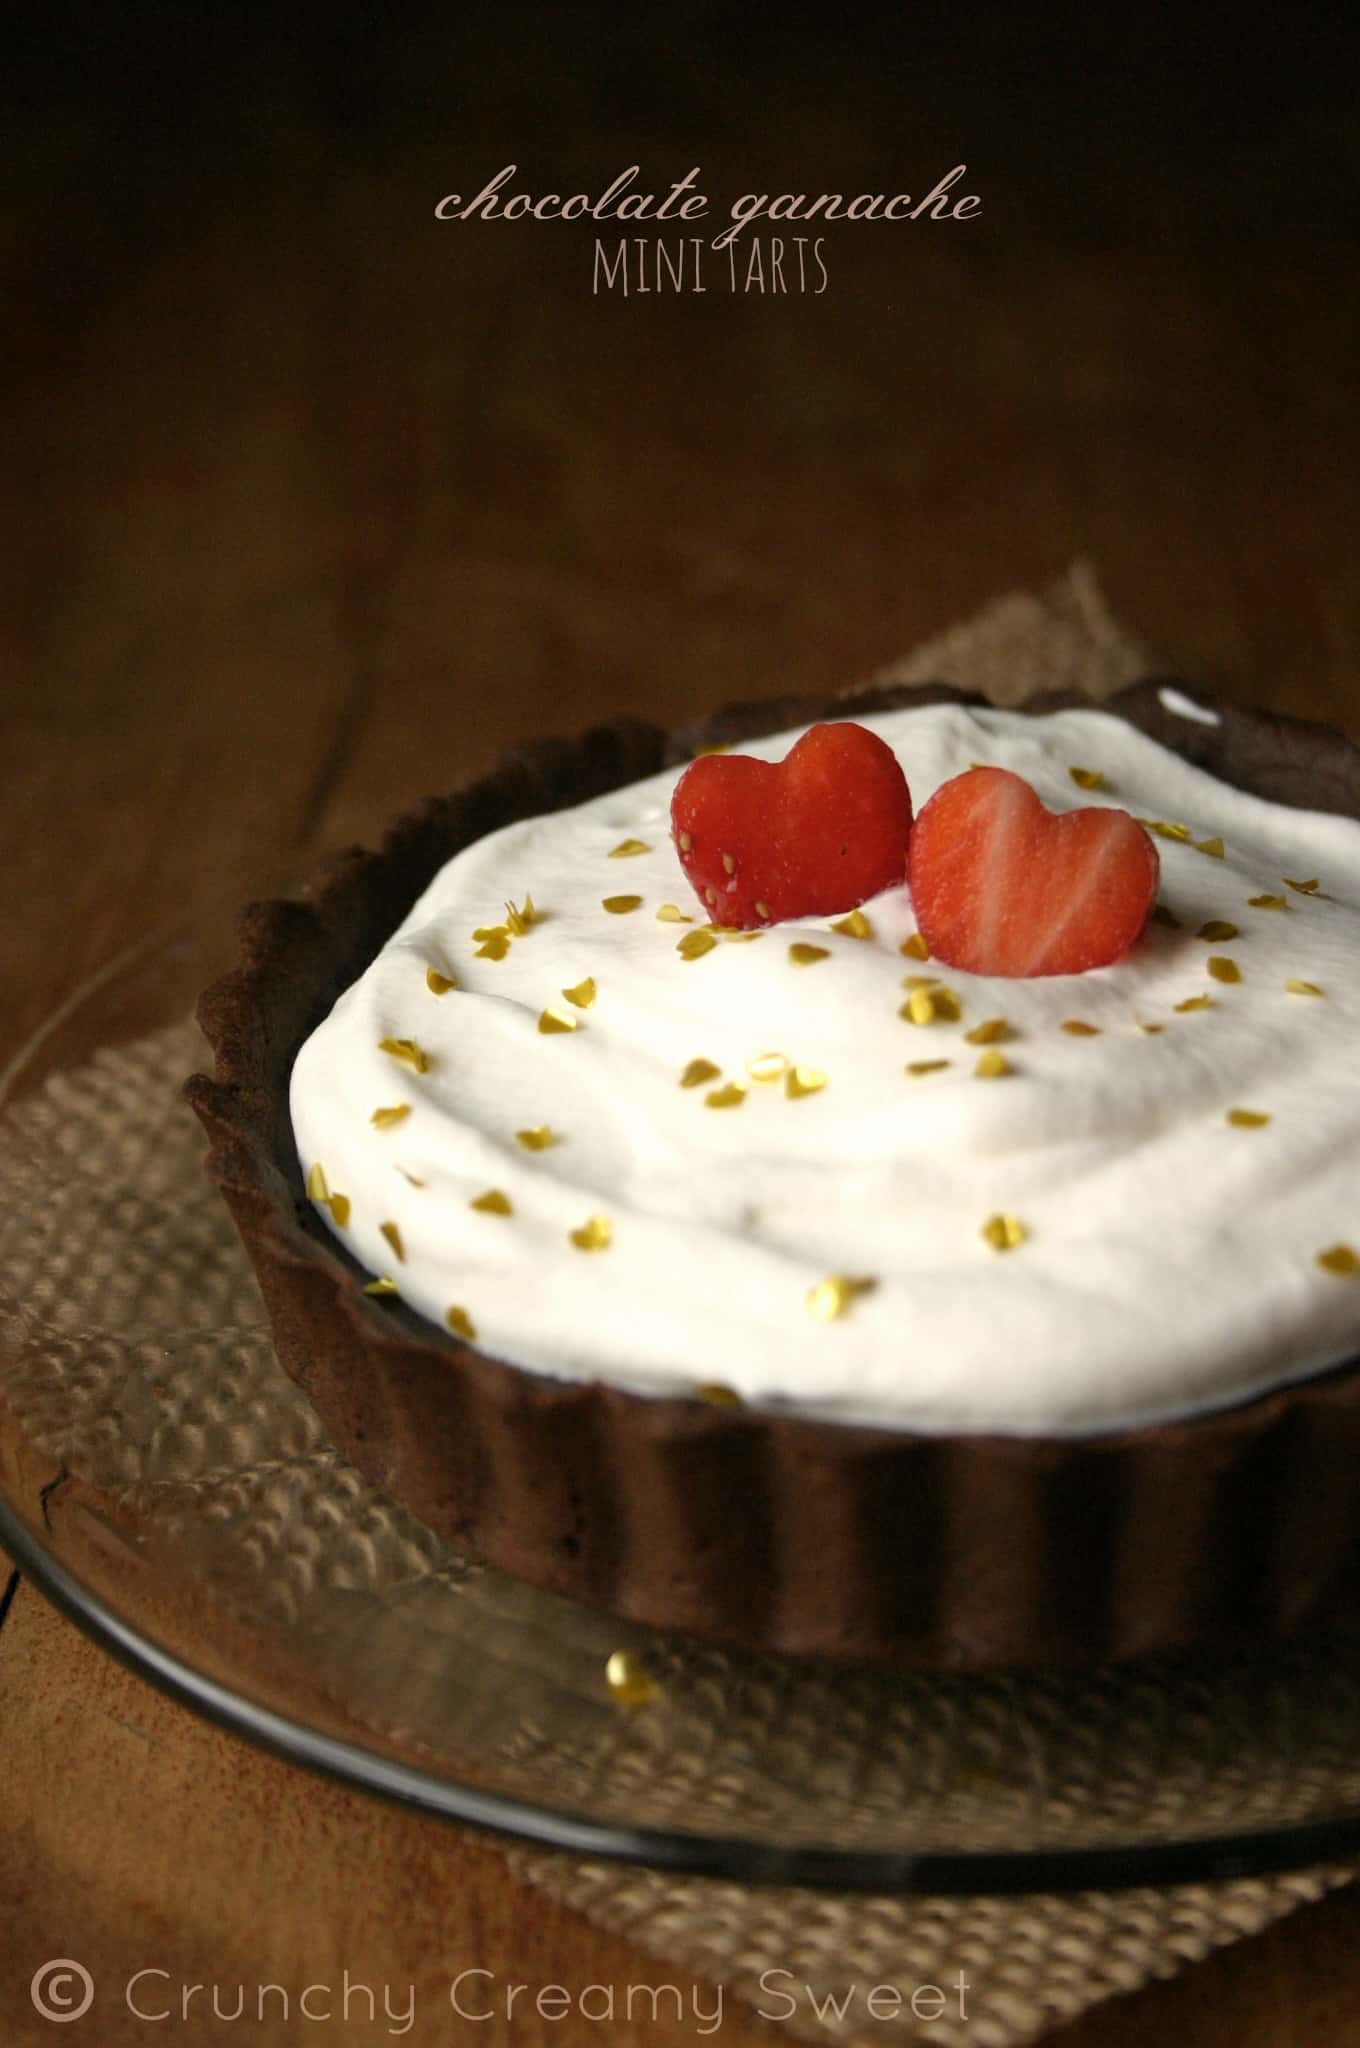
x: 134, y: 1356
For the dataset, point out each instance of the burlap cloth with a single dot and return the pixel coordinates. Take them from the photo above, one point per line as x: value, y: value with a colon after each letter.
x: 134, y: 1356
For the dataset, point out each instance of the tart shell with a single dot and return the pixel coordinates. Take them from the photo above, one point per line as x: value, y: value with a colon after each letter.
x: 762, y: 1530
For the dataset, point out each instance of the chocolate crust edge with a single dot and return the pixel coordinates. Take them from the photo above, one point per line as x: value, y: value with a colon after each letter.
x: 764, y: 1531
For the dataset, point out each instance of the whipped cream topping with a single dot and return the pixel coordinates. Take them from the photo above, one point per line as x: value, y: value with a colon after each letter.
x: 659, y: 1240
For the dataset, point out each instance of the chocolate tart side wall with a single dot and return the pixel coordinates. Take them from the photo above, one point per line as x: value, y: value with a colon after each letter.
x: 763, y: 1531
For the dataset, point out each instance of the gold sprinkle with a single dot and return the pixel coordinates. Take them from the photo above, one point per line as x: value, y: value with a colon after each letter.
x: 492, y: 931
x: 385, y: 1119
x: 1213, y: 847
x: 803, y: 955
x: 381, y: 1286
x: 495, y: 1202
x: 393, y: 1236
x: 992, y: 1031
x: 1304, y: 988
x: 519, y: 921
x: 1303, y: 888
x: 733, y: 937
x: 1194, y: 1003
x: 1077, y: 1027
x: 1151, y: 1030
x: 768, y: 1066
x: 1165, y: 829
x: 800, y: 1081
x: 917, y: 1067
x: 1087, y: 778
x: 936, y: 1005
x: 407, y: 1051
x: 1341, y: 1259
x: 855, y: 926
x: 461, y: 1323
x: 626, y: 848
x: 697, y: 1072
x: 583, y: 995
x: 836, y: 1295
x: 596, y: 1234
x: 714, y: 747
x: 410, y: 1177
x: 729, y: 865
x: 538, y: 1139
x: 619, y: 906
x: 718, y: 1394
x: 629, y: 1681
x: 339, y: 1207
x: 496, y: 947
x: 1267, y: 903
x: 439, y: 984
x: 671, y: 913
x: 915, y: 947
x: 1164, y: 916
x: 695, y: 944
x: 731, y: 1096
x: 317, y: 1191
x: 557, y: 1020
x: 992, y: 1066
x: 1248, y: 1119
x: 1217, y: 928
x: 685, y: 842
x: 1004, y: 1233
x: 762, y: 909
x: 1222, y: 968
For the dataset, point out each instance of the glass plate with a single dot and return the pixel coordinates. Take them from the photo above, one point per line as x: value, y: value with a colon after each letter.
x: 166, y: 1485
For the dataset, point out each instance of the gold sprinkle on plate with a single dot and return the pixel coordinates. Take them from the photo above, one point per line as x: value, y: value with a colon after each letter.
x: 697, y: 1072
x: 695, y: 944
x: 714, y: 747
x: 1213, y: 847
x: 992, y: 1031
x: 671, y: 913
x: 1217, y: 929
x: 933, y: 1005
x: 393, y: 1236
x: 1151, y: 1030
x: 557, y: 1020
x: 1267, y: 903
x: 619, y: 906
x: 317, y: 1190
x: 855, y: 926
x: 803, y: 955
x: 628, y: 1679
x: 1303, y: 888
x: 1248, y: 1119
x: 918, y: 1067
x: 915, y: 947
x: 492, y: 931
x: 801, y: 1081
x: 1304, y: 988
x: 1165, y: 828
x: 494, y: 948
x: 386, y: 1119
x: 626, y: 848
x: 1077, y: 1027
x: 768, y: 1066
x: 583, y: 995
x: 519, y: 921
x: 538, y: 1139
x: 992, y: 1066
x: 1087, y: 778
x: 1194, y: 1003
x: 407, y: 1051
x: 381, y: 1286
x: 596, y: 1234
x: 836, y: 1295
x: 718, y: 1394
x: 461, y: 1323
x: 731, y: 1096
x: 1341, y: 1259
x: 339, y: 1207
x: 495, y: 1202
x: 439, y: 984
x: 1222, y: 968
x: 1004, y: 1233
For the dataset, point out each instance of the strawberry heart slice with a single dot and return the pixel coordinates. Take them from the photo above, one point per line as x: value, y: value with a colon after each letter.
x: 815, y: 833
x: 1000, y: 885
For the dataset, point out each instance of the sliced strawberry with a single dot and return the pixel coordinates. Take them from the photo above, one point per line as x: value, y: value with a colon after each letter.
x: 1000, y: 885
x: 807, y: 836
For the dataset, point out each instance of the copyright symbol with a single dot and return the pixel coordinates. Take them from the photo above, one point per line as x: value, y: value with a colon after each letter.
x: 62, y: 1990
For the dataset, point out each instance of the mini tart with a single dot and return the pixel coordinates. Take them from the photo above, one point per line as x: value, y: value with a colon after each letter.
x: 766, y: 1531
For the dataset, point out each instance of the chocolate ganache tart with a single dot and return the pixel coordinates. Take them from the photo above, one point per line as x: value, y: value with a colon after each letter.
x: 778, y: 1282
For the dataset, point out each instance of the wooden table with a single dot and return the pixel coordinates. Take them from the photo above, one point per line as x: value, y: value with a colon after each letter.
x: 316, y: 504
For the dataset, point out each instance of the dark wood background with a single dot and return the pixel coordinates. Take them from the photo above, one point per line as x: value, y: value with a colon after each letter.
x: 312, y: 505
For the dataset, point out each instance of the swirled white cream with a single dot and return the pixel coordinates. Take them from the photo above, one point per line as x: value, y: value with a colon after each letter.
x: 1170, y: 1258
